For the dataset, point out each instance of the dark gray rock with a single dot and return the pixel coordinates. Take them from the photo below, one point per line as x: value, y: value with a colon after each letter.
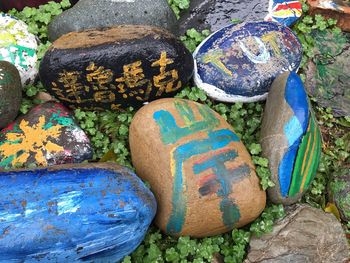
x: 88, y: 14
x: 10, y: 93
x: 215, y: 14
x: 306, y: 235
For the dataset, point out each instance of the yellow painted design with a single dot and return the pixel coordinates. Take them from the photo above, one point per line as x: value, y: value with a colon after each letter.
x: 166, y: 80
x: 272, y: 40
x: 34, y: 140
x: 215, y: 57
x: 99, y: 77
x: 74, y: 88
x: 134, y: 78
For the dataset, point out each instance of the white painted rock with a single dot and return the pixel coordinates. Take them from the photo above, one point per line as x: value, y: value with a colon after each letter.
x: 18, y: 47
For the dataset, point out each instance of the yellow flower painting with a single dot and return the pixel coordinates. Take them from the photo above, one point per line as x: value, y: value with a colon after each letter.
x: 35, y: 140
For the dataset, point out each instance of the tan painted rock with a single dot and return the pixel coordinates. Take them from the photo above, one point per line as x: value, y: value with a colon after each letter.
x: 201, y: 174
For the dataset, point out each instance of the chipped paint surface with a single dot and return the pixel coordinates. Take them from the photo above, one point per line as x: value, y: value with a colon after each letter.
x: 97, y: 213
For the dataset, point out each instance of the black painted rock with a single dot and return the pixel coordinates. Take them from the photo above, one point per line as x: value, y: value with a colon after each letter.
x: 118, y: 67
x: 340, y: 192
x: 239, y: 62
x: 10, y: 93
x: 6, y: 5
x: 47, y: 135
x: 328, y: 74
x: 73, y: 213
x: 92, y: 14
x: 307, y: 234
x: 215, y: 14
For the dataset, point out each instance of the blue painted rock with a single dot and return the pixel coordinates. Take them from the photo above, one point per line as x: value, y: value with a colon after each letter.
x: 290, y: 139
x: 240, y: 62
x: 80, y: 213
x: 47, y: 135
x: 115, y: 68
x: 18, y: 47
x: 10, y: 93
x: 200, y: 172
x: 92, y: 14
x: 215, y: 14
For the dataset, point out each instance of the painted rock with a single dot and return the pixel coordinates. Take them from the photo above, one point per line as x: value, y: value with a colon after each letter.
x: 240, y: 62
x: 118, y: 67
x: 10, y: 93
x: 18, y: 47
x: 6, y: 5
x: 215, y: 14
x: 340, y: 192
x: 306, y: 234
x: 80, y: 213
x: 47, y: 135
x: 336, y: 9
x: 284, y: 12
x: 200, y: 172
x: 92, y: 14
x: 290, y: 139
x: 328, y: 72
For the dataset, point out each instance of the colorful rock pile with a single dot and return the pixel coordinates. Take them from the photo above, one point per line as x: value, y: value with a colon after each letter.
x: 194, y: 160
x: 290, y: 139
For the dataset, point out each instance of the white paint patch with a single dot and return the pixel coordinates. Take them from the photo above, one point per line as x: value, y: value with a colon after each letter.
x: 69, y: 202
x: 4, y: 216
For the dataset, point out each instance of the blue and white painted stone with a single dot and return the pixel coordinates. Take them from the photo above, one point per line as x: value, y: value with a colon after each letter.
x: 239, y: 62
x: 286, y: 12
x: 290, y: 139
x: 81, y: 213
x: 18, y: 47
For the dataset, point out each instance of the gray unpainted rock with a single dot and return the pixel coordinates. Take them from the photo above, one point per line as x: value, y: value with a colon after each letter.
x: 306, y: 235
x: 215, y: 14
x: 88, y: 14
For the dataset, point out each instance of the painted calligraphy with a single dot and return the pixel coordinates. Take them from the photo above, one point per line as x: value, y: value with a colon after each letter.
x: 217, y: 142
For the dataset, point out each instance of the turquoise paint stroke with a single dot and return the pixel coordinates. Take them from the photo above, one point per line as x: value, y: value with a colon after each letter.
x: 216, y: 140
x: 226, y: 177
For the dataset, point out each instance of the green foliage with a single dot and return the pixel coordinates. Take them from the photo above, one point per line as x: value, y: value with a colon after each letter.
x: 193, y: 38
x: 178, y: 6
x: 38, y: 19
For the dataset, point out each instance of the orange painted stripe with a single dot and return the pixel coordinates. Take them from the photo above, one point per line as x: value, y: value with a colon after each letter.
x: 307, y: 147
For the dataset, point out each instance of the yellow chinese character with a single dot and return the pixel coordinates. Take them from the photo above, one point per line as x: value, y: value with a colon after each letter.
x: 73, y: 88
x: 166, y: 80
x: 214, y: 57
x: 104, y: 96
x: 272, y: 39
x: 100, y: 78
x: 134, y: 78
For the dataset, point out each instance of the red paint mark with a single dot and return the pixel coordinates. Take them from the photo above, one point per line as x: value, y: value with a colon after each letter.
x: 205, y: 179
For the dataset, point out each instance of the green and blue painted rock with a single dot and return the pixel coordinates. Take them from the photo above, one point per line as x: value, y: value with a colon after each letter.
x: 18, y: 47
x: 200, y: 172
x: 116, y: 68
x: 290, y: 139
x: 46, y: 135
x: 73, y: 213
x: 239, y: 62
x: 10, y: 93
